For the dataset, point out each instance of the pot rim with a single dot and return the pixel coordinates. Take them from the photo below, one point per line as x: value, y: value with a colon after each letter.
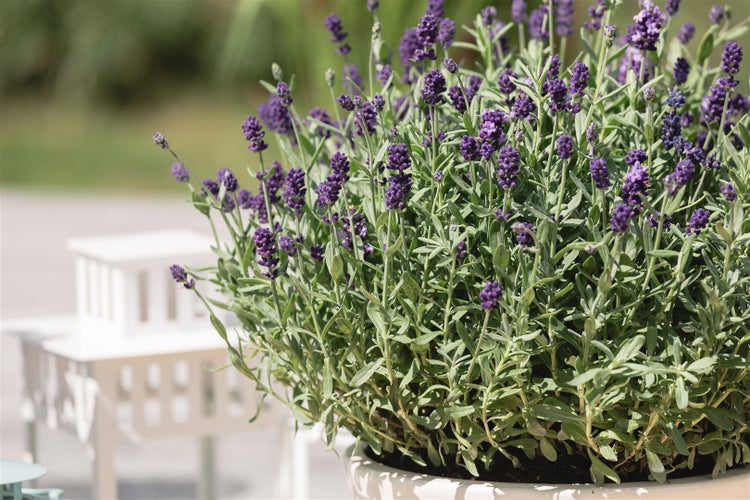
x: 358, y: 462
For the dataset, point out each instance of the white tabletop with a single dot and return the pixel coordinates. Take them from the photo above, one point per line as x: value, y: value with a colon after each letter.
x: 18, y: 472
x: 145, y: 245
x: 58, y: 335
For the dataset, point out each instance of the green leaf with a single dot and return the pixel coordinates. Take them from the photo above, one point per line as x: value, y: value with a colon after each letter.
x: 554, y: 413
x: 706, y: 46
x: 218, y: 326
x: 394, y: 248
x: 364, y: 373
x: 702, y: 365
x: 655, y: 465
x: 547, y: 449
x: 630, y: 349
x: 585, y: 376
x: 680, y: 393
x: 718, y: 418
x: 607, y: 452
x: 599, y: 471
x: 665, y: 254
x: 459, y: 411
x: 678, y: 440
x: 469, y: 463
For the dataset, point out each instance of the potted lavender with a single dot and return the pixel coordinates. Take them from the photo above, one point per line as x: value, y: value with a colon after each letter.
x: 519, y: 267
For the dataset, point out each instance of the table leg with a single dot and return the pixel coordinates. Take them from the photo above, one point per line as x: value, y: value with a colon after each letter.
x: 102, y: 442
x: 16, y: 491
x: 207, y: 485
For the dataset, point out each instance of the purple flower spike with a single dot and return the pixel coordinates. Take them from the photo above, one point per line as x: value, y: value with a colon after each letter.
x: 558, y: 93
x: 335, y: 26
x: 564, y: 20
x: 646, y: 29
x: 469, y: 148
x: 731, y: 58
x: 226, y: 177
x: 564, y: 146
x: 461, y: 250
x: 434, y: 8
x: 523, y: 107
x: 636, y: 155
x: 681, y: 70
x: 372, y: 5
x: 538, y: 25
x: 450, y: 65
x: 254, y: 134
x: 686, y: 33
x: 599, y: 173
x: 287, y: 245
x: 434, y: 86
x: 518, y: 11
x: 446, y: 32
x: 672, y: 7
x: 507, y: 167
x: 504, y: 81
x: 294, y: 189
x: 610, y: 33
x: 160, y: 140
x: 490, y: 295
x: 621, y: 216
x: 698, y: 221
x: 579, y: 78
x: 523, y: 234
x: 635, y: 185
x: 267, y: 251
x: 592, y: 133
x: 180, y: 276
x: 679, y: 177
x: 180, y: 172
x: 729, y: 192
x: 716, y: 14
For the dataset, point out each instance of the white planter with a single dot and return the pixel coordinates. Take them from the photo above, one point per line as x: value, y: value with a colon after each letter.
x: 370, y: 481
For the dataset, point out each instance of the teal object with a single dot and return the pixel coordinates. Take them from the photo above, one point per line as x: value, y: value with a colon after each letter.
x: 13, y: 474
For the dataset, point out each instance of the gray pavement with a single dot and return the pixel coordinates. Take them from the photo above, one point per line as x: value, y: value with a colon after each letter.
x: 37, y: 279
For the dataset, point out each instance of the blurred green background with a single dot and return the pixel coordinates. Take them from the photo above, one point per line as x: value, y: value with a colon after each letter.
x: 85, y: 83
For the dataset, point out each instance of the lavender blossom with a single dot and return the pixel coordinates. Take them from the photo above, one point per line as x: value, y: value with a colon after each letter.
x: 450, y: 65
x: 322, y: 116
x: 399, y: 186
x: 507, y: 167
x: 653, y: 220
x: 295, y: 190
x: 384, y: 74
x: 731, y: 58
x: 558, y: 93
x: 621, y: 216
x: 180, y: 172
x: 469, y: 148
x: 316, y: 253
x: 729, y: 192
x: 698, y: 221
x: 538, y: 25
x: 596, y: 13
x: 284, y: 93
x: 345, y: 102
x: 716, y: 14
x: 523, y: 107
x: 490, y: 295
x: 646, y: 29
x: 592, y: 133
x: 254, y: 134
x: 523, y: 232
x: 675, y: 99
x: 686, y: 33
x: 180, y: 276
x: 599, y: 173
x: 635, y: 185
x: 267, y: 251
x: 672, y: 7
x: 288, y: 245
x: 681, y: 70
x: 518, y: 11
x: 635, y: 156
x: 461, y: 251
x: 353, y: 82
x: 335, y: 26
x: 446, y: 32
x: 372, y: 5
x: 564, y: 17
x: 609, y: 33
x: 579, y: 78
x: 671, y: 129
x: 679, y: 177
x: 564, y: 146
x: 434, y: 86
x: 504, y: 81
x: 712, y: 105
x: 276, y: 116
x: 160, y: 140
x: 427, y: 33
x: 226, y: 177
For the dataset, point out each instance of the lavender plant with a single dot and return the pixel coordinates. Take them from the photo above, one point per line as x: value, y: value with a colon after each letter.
x: 517, y: 259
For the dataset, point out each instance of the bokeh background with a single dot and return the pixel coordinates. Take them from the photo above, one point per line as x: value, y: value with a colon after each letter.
x: 84, y: 83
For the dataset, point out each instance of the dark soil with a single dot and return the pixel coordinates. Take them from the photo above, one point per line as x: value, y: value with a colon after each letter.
x: 566, y: 470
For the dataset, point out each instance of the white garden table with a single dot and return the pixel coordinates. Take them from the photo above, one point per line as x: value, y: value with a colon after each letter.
x: 114, y: 390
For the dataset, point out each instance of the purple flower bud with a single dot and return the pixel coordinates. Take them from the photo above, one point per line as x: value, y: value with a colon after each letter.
x: 599, y: 173
x: 294, y: 189
x: 681, y: 70
x: 648, y: 93
x: 266, y: 250
x: 226, y: 177
x: 653, y: 220
x: 592, y: 133
x: 621, y: 216
x: 523, y: 107
x: 523, y: 232
x: 564, y: 20
x: 316, y: 253
x: 635, y: 156
x: 504, y: 81
x: 446, y: 32
x: 538, y: 24
x: 507, y: 167
x: 579, y: 78
x: 490, y: 295
x: 288, y: 245
x: 518, y: 11
x: 254, y: 134
x: 698, y: 221
x: 558, y: 93
x: 434, y: 86
x: 610, y: 33
x: 461, y: 250
x: 679, y: 177
x: 686, y: 33
x: 675, y: 99
x: 469, y: 148
x: 284, y: 93
x: 434, y: 8
x: 672, y: 7
x: 335, y: 26
x: 160, y: 140
x: 345, y: 102
x: 180, y: 276
x: 564, y: 146
x: 728, y: 192
x: 635, y: 185
x: 180, y: 172
x: 450, y: 65
x: 372, y: 5
x: 716, y: 14
x: 646, y: 29
x: 731, y: 58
